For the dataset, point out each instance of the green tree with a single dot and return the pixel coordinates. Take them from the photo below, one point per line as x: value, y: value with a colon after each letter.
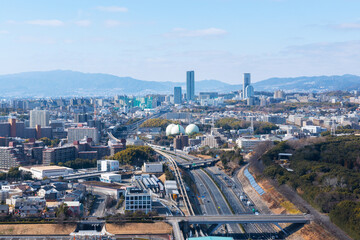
x: 135, y: 155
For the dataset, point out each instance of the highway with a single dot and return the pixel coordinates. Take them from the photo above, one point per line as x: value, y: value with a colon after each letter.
x: 217, y: 198
x: 215, y: 206
x: 232, y: 191
x: 208, y: 207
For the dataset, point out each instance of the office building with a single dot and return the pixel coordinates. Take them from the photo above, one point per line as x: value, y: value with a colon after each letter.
x: 249, y: 91
x: 39, y: 117
x: 177, y: 95
x: 246, y: 82
x: 137, y: 200
x: 81, y: 118
x: 77, y: 134
x: 108, y: 165
x: 190, y: 85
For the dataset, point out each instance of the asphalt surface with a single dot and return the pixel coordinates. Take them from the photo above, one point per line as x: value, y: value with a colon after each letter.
x: 215, y: 204
x: 217, y: 199
x: 232, y: 190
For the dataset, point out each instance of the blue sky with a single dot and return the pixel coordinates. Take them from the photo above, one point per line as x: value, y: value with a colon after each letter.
x: 161, y: 39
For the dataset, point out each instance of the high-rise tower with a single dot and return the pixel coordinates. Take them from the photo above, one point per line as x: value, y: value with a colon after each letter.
x: 247, y: 82
x: 177, y: 95
x: 190, y: 85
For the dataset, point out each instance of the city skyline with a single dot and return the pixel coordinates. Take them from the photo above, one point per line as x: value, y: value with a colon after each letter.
x: 269, y: 38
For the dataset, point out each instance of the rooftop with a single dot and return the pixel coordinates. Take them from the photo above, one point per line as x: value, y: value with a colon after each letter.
x: 41, y: 168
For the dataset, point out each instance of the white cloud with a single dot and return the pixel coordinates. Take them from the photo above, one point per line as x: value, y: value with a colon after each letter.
x: 4, y: 32
x: 83, y: 23
x: 113, y: 23
x: 348, y: 26
x: 48, y: 23
x: 112, y: 9
x: 208, y: 32
x: 37, y: 40
x: 10, y: 22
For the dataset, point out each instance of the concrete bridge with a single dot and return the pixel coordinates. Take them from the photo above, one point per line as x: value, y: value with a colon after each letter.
x: 197, y: 164
x: 218, y: 220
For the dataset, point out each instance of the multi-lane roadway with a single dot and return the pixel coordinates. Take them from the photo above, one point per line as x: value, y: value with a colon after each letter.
x: 214, y: 203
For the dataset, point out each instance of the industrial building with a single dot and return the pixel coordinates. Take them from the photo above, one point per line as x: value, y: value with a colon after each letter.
x: 152, y: 167
x: 49, y: 171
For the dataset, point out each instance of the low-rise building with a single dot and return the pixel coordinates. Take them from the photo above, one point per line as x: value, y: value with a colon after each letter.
x: 4, y: 210
x: 110, y: 177
x: 50, y: 171
x: 76, y: 208
x: 27, y: 206
x: 137, y: 200
x: 153, y: 167
x: 248, y: 144
x: 108, y: 165
x: 171, y: 189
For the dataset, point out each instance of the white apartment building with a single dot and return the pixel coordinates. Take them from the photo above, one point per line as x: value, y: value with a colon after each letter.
x: 79, y: 133
x: 248, y: 144
x: 39, y: 117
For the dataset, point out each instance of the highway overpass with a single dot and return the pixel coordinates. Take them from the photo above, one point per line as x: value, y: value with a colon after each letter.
x: 242, y: 218
x: 217, y: 221
x: 200, y: 163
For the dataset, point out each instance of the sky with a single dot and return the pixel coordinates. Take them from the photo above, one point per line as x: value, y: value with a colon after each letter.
x: 159, y: 40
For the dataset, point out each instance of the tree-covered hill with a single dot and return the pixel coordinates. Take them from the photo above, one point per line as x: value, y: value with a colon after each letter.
x: 326, y: 174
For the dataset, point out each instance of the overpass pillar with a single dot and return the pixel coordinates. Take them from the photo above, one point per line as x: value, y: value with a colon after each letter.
x: 278, y: 225
x: 213, y: 228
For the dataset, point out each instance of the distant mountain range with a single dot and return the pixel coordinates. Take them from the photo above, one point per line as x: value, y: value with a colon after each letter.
x: 70, y: 83
x: 310, y: 84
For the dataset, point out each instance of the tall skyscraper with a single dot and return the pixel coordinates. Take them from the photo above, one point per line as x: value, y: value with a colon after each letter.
x: 247, y: 82
x: 177, y: 95
x: 39, y: 117
x: 190, y: 85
